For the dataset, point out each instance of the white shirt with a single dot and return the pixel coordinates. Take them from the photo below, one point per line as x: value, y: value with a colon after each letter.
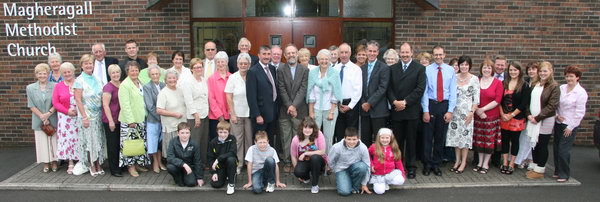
x: 195, y: 96
x: 352, y: 83
x: 183, y: 75
x: 237, y: 86
x: 100, y: 71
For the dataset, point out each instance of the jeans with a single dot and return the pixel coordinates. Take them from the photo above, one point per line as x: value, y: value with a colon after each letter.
x: 351, y: 178
x: 540, y: 152
x: 562, y: 150
x: 266, y: 174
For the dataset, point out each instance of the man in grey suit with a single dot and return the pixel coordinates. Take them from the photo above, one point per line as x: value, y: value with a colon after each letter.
x: 374, y: 109
x: 292, y: 80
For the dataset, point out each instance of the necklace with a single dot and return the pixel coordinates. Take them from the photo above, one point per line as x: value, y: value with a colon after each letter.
x: 462, y: 80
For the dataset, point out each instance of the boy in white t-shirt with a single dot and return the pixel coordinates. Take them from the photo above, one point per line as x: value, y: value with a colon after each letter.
x: 261, y: 160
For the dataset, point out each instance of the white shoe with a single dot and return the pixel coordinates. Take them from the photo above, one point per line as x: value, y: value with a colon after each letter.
x: 306, y: 181
x: 230, y: 189
x: 314, y: 189
x: 387, y: 187
x: 270, y: 187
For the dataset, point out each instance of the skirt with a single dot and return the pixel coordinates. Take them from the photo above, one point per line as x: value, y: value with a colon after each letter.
x: 90, y: 144
x: 45, y: 147
x: 486, y: 135
x: 66, y: 136
x: 128, y: 133
x: 167, y: 137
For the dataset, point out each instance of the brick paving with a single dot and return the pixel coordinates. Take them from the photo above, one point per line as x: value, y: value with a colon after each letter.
x: 32, y: 178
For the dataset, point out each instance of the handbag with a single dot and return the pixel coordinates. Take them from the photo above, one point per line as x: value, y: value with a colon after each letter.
x: 49, y: 130
x: 513, y: 125
x: 134, y: 147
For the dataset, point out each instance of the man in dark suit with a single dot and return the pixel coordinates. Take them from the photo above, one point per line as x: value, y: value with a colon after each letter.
x: 101, y: 63
x: 374, y: 108
x: 292, y: 79
x: 261, y: 92
x: 131, y: 48
x: 244, y: 46
x: 276, y: 54
x: 407, y: 84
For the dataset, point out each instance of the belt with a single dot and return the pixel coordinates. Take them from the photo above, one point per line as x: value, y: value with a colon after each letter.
x: 437, y: 102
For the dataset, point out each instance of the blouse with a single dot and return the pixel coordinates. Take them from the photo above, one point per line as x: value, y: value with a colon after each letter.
x: 195, y: 96
x: 236, y: 85
x: 91, y: 95
x: 113, y: 104
x: 572, y: 105
x: 323, y: 90
x: 216, y: 96
x: 493, y: 93
x: 42, y: 100
x: 172, y: 101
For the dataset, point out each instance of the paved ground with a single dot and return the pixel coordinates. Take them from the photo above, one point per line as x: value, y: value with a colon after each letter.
x: 31, y: 178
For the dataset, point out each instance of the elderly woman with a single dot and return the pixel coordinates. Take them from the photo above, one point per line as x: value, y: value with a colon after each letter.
x: 177, y: 58
x: 324, y: 90
x: 195, y: 96
x: 110, y: 118
x: 486, y: 132
x: 304, y: 58
x: 524, y: 154
x: 153, y: 126
x: 424, y: 58
x: 170, y: 105
x: 545, y: 95
x: 235, y: 90
x: 391, y: 57
x: 88, y: 98
x: 63, y: 101
x: 152, y: 60
x: 39, y: 101
x: 55, y: 61
x: 361, y: 55
x: 216, y: 94
x: 569, y: 114
x: 132, y: 116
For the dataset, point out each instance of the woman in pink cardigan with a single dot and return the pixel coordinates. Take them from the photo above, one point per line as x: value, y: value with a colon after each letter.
x: 217, y: 101
x: 308, y: 153
x: 64, y: 101
x: 386, y: 162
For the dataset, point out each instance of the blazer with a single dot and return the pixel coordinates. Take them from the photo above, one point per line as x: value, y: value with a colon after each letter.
x: 292, y: 91
x: 406, y: 85
x: 107, y: 62
x: 374, y: 91
x: 131, y: 102
x: 41, y: 101
x: 258, y: 93
x: 150, y: 98
x: 233, y: 62
x: 520, y: 100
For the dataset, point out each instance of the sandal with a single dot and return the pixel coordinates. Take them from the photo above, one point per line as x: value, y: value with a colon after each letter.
x: 509, y: 171
x: 483, y: 170
x: 70, y: 170
x: 561, y: 180
x: 477, y: 169
x: 503, y: 169
x: 45, y: 170
x: 459, y: 171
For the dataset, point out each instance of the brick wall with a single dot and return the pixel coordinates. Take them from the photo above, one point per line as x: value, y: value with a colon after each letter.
x: 561, y: 32
x: 112, y: 22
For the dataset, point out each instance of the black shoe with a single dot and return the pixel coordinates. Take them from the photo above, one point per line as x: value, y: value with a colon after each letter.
x: 437, y: 172
x: 426, y: 171
x: 116, y: 174
x: 411, y: 174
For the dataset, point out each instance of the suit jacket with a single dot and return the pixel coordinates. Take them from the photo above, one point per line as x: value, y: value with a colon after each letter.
x: 233, y: 62
x: 406, y: 85
x: 292, y: 91
x: 259, y: 93
x: 107, y: 62
x: 374, y: 91
x: 122, y: 63
x: 150, y: 98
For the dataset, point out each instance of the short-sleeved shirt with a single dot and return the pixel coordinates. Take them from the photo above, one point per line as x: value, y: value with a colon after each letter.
x: 111, y: 89
x: 172, y: 101
x: 237, y: 86
x: 258, y: 157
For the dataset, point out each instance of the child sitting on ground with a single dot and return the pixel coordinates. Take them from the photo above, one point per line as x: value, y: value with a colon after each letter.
x: 262, y: 165
x: 222, y: 152
x: 386, y: 162
x: 183, y: 159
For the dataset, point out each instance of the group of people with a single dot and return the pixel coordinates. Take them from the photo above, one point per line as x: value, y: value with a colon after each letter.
x: 221, y: 113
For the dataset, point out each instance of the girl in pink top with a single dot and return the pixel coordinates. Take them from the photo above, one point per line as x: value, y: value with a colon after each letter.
x: 217, y: 100
x: 308, y: 153
x: 386, y: 162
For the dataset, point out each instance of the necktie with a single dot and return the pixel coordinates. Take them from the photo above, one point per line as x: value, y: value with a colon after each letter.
x: 440, y: 85
x: 404, y: 67
x: 272, y: 82
x: 342, y: 73
x: 209, y: 69
x: 369, y: 70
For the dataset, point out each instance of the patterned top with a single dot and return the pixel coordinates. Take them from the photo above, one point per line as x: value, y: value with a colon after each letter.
x: 91, y: 97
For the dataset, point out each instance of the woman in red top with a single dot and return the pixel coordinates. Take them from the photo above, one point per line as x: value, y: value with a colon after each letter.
x: 486, y: 132
x: 386, y: 162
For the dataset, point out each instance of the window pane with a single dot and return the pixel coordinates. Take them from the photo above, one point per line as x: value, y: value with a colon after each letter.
x: 224, y: 34
x: 368, y: 9
x: 357, y: 33
x: 317, y: 8
x: 216, y: 8
x: 268, y: 8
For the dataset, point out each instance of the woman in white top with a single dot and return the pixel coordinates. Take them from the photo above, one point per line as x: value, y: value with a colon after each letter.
x: 324, y: 90
x: 239, y: 111
x: 171, y: 108
x: 177, y: 58
x: 195, y: 96
x: 304, y: 58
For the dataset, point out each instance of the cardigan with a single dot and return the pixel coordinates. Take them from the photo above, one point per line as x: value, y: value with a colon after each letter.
x: 131, y: 100
x: 520, y: 100
x: 61, y: 98
x: 319, y: 142
x: 388, y: 165
x: 42, y: 101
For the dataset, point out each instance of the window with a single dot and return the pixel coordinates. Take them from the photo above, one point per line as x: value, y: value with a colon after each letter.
x: 368, y: 9
x: 268, y: 8
x: 224, y: 34
x: 356, y: 33
x: 216, y: 8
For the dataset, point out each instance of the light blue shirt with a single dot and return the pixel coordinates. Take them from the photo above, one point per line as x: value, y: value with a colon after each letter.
x: 450, y: 89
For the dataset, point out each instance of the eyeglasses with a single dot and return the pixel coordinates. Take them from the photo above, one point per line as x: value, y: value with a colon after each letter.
x: 210, y: 49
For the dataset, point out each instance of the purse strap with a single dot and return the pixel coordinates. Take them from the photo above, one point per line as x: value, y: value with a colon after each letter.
x: 136, y: 134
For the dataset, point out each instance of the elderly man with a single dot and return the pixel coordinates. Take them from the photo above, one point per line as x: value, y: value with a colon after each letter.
x: 352, y: 84
x: 376, y: 76
x: 261, y: 92
x: 210, y: 66
x: 132, y: 49
x: 292, y: 79
x: 101, y: 63
x: 276, y: 54
x: 335, y: 54
x: 407, y: 84
x: 244, y: 46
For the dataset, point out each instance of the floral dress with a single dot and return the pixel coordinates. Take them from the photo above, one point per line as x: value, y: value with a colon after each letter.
x: 91, y: 139
x: 67, y: 132
x: 460, y: 134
